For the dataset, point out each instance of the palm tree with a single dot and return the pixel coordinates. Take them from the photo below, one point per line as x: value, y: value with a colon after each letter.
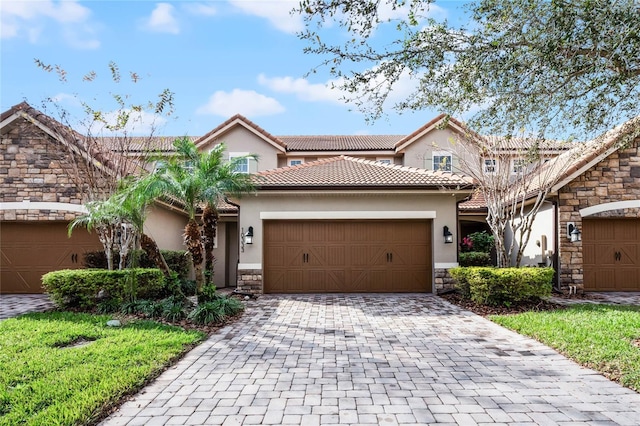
x: 194, y: 179
x: 103, y: 217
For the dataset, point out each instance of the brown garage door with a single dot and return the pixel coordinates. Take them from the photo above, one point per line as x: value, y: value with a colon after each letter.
x: 30, y: 250
x: 611, y: 254
x: 347, y: 256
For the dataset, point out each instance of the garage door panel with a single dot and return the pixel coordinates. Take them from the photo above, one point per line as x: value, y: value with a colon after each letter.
x: 30, y: 250
x: 611, y: 254
x: 354, y: 256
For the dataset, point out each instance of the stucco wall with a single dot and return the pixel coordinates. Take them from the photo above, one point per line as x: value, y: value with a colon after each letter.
x: 239, y: 139
x: 542, y: 225
x: 166, y: 228
x: 420, y: 152
x: 615, y: 179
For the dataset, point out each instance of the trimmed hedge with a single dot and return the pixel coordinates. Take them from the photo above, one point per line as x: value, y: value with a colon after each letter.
x: 475, y: 258
x: 177, y: 260
x: 502, y: 286
x: 81, y: 287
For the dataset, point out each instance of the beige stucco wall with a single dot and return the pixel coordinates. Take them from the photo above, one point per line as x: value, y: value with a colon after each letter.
x: 239, y: 139
x: 542, y: 225
x: 165, y: 227
x: 419, y: 153
x: 443, y: 206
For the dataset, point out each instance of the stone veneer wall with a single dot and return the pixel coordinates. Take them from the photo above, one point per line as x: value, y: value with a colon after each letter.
x: 250, y: 281
x: 616, y: 178
x: 442, y: 280
x: 33, y: 167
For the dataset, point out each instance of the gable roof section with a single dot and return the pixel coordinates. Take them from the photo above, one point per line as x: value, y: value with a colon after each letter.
x: 59, y: 132
x: 239, y: 120
x: 438, y: 122
x: 582, y: 157
x: 355, y: 173
x: 341, y: 142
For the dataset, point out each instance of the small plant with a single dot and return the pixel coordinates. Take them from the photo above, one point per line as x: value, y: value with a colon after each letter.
x: 207, y: 313
x: 151, y: 309
x: 208, y: 294
x: 132, y: 307
x: 475, y: 258
x: 229, y: 305
x: 108, y: 306
x: 173, y: 312
x: 189, y: 287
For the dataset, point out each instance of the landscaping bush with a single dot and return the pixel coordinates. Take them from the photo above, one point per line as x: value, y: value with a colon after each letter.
x: 208, y: 293
x: 81, y: 287
x: 475, y: 258
x: 207, y: 313
x: 177, y: 260
x: 503, y: 286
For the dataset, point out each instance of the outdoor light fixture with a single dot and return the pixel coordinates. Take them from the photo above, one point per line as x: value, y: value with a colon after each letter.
x: 448, y: 236
x: 246, y: 237
x: 573, y: 233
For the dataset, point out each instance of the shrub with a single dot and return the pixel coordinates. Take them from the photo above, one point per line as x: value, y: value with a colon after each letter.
x: 475, y: 258
x: 503, y: 286
x: 80, y: 287
x: 208, y: 294
x: 177, y: 260
x: 174, y: 312
x: 207, y: 313
x: 229, y: 305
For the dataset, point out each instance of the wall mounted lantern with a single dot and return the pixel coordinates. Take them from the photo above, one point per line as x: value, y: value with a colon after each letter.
x: 573, y: 233
x: 448, y: 236
x: 246, y: 237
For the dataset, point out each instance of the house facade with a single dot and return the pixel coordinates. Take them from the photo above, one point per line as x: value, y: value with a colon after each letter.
x: 331, y: 213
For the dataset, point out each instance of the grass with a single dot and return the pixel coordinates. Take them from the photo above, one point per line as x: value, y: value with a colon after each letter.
x: 66, y: 368
x: 605, y: 338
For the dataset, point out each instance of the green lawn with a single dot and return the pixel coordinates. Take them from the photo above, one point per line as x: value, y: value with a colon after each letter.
x: 45, y: 381
x: 605, y: 338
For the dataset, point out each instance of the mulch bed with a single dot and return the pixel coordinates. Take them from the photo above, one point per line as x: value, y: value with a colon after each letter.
x: 483, y: 310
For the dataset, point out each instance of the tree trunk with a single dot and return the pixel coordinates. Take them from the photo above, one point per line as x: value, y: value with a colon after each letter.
x: 194, y: 244
x: 150, y: 247
x: 209, y: 225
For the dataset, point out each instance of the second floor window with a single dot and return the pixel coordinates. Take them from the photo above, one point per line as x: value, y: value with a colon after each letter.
x: 242, y: 165
x: 517, y: 166
x: 295, y: 162
x: 442, y: 161
x: 489, y: 165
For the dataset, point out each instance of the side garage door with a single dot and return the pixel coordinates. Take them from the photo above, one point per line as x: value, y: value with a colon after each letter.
x: 347, y: 256
x: 611, y: 254
x: 29, y: 250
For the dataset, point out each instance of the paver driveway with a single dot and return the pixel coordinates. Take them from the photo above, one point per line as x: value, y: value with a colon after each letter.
x: 374, y: 359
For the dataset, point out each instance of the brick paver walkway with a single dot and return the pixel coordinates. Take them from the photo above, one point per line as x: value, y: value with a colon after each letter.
x: 12, y: 305
x: 374, y: 359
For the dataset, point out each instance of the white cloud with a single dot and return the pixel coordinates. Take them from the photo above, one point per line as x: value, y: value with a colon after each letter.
x: 30, y: 18
x: 245, y: 102
x: 162, y: 20
x: 318, y: 92
x: 139, y: 123
x: 277, y: 12
x: 200, y: 9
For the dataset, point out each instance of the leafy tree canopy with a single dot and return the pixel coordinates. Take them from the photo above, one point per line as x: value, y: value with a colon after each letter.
x: 553, y: 67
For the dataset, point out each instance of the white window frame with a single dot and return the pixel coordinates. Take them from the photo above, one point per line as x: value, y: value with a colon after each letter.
x: 384, y: 160
x: 518, y: 166
x: 486, y: 164
x: 233, y: 155
x: 437, y: 165
x: 297, y: 161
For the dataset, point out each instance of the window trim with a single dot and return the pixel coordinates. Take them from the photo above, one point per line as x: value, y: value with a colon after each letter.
x: 233, y: 155
x: 435, y: 154
x: 484, y: 165
x: 518, y: 162
x: 300, y: 162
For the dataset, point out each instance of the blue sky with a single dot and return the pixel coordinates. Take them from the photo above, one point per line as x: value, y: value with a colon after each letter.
x: 219, y: 58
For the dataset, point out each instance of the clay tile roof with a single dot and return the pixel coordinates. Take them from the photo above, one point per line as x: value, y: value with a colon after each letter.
x: 350, y: 172
x: 476, y: 203
x: 145, y: 143
x: 340, y: 142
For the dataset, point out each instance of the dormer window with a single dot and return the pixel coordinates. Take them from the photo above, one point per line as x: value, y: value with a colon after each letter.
x: 295, y: 162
